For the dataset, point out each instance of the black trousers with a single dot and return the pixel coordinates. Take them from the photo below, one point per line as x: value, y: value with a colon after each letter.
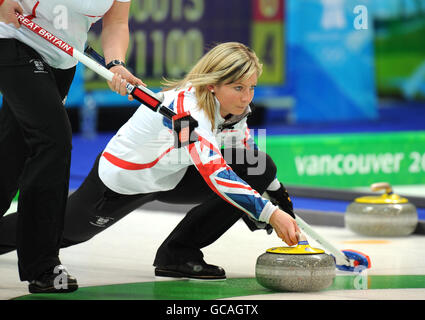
x: 94, y: 207
x: 35, y: 149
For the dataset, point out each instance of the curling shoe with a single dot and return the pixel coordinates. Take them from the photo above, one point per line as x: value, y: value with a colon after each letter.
x: 56, y: 280
x: 193, y: 270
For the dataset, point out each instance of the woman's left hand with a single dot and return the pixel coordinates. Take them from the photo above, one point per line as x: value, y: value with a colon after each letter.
x: 121, y: 77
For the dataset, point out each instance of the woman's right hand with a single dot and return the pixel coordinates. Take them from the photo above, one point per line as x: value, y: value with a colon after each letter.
x: 7, y: 12
x: 285, y: 227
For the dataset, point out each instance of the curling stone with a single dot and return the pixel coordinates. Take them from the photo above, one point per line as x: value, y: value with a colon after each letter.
x: 301, y: 268
x: 387, y: 215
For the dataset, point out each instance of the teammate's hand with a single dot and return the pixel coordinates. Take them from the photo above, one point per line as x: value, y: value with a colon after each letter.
x: 285, y: 226
x: 7, y: 12
x: 120, y: 79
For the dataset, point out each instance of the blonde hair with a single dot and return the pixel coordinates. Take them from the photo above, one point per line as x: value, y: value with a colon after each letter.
x: 224, y: 64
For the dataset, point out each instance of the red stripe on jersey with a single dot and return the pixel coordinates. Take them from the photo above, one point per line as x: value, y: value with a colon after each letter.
x: 205, y: 170
x: 245, y: 141
x: 211, y: 167
x: 131, y: 165
x: 180, y: 99
x: 206, y: 143
x: 33, y: 15
x: 181, y: 115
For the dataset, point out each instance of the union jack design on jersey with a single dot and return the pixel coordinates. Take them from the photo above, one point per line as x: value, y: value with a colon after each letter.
x: 223, y: 180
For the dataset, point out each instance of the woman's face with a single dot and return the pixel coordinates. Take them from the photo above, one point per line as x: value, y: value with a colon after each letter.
x: 235, y: 97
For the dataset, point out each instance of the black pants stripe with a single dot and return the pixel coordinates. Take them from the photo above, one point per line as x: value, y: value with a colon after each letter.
x: 35, y: 149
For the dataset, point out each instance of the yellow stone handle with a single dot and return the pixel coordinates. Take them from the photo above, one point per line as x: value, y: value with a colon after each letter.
x: 301, y: 238
x: 381, y: 186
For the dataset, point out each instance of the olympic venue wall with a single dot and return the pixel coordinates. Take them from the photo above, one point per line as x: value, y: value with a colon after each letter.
x: 348, y: 160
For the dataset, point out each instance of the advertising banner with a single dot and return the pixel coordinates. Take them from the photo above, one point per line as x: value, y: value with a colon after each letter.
x: 349, y: 160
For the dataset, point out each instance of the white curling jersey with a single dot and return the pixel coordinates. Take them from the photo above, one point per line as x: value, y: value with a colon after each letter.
x: 142, y: 158
x: 69, y: 20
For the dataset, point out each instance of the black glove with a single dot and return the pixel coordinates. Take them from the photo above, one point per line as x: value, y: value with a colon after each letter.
x: 281, y: 198
x: 254, y: 225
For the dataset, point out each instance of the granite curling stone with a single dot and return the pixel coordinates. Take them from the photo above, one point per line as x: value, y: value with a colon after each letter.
x: 388, y: 215
x: 297, y: 269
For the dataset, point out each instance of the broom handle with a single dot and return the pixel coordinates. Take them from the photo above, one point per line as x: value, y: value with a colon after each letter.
x: 140, y: 93
x: 341, y: 259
